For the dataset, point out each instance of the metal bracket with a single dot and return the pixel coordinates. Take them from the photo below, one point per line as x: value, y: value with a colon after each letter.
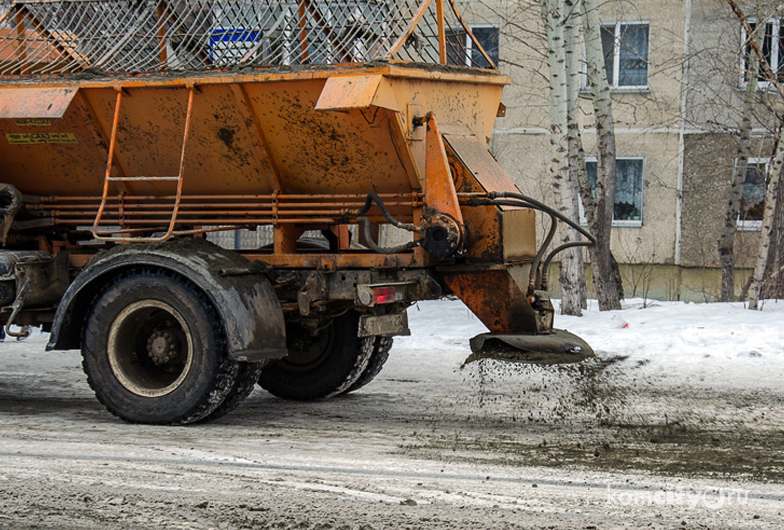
x: 15, y: 307
x: 315, y: 288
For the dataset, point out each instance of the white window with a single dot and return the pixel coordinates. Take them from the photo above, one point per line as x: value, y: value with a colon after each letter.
x: 752, y: 200
x: 628, y: 189
x: 625, y: 47
x: 772, y: 50
x: 461, y: 50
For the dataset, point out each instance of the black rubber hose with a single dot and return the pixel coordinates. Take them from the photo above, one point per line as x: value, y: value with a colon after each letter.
x: 517, y: 199
x: 383, y: 250
x: 543, y: 207
x: 372, y: 197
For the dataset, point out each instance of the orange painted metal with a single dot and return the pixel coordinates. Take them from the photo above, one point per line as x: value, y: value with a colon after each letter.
x: 105, y: 236
x: 303, y: 34
x: 441, y: 31
x: 38, y: 102
x: 356, y: 92
x: 161, y: 10
x: 245, y: 107
x: 440, y: 193
x: 260, y: 152
x: 477, y: 160
x: 495, y: 297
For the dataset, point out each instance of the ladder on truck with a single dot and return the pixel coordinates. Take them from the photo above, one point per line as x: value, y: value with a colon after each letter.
x: 109, y: 179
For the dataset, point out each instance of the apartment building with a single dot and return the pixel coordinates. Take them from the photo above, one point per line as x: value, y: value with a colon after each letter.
x: 676, y: 71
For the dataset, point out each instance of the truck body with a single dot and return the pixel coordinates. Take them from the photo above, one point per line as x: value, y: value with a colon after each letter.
x: 131, y: 130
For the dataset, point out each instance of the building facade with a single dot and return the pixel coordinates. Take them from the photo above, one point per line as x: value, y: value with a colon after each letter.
x: 676, y: 71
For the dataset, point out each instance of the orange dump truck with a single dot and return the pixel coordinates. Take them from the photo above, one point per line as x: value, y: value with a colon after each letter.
x: 129, y: 131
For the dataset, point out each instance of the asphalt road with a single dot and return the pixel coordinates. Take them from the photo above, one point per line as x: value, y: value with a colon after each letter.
x: 426, y: 445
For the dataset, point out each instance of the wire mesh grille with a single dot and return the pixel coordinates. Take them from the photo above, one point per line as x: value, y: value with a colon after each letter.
x: 45, y: 37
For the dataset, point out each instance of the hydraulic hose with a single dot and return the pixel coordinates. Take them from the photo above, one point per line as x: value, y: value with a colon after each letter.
x: 383, y: 250
x: 518, y: 199
x: 372, y: 197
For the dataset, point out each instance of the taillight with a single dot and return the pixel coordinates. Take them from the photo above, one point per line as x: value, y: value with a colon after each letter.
x: 384, y: 295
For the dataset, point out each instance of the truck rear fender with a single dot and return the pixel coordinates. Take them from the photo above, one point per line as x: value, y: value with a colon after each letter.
x: 238, y: 289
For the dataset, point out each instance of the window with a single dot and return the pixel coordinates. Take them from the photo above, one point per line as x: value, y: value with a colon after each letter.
x: 461, y: 50
x: 625, y: 47
x: 235, y: 33
x: 772, y: 49
x: 752, y: 200
x: 628, y: 189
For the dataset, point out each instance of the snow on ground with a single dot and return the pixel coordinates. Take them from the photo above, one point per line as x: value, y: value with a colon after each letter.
x: 714, y: 344
x: 681, y: 399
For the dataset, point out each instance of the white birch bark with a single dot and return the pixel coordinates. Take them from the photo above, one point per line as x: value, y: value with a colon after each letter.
x: 768, y: 219
x: 599, y: 209
x: 572, y: 264
x: 773, y: 191
x: 553, y: 21
x: 726, y: 243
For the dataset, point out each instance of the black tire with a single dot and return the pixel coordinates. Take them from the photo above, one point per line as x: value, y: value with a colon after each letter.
x: 154, y: 352
x: 322, y: 366
x: 381, y: 349
x: 247, y: 377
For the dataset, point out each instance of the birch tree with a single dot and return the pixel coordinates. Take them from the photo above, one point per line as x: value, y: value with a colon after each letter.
x: 767, y: 232
x: 558, y: 22
x: 599, y: 204
x: 727, y: 240
x: 773, y: 191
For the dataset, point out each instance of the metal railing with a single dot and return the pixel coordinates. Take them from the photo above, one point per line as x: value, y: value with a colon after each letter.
x: 116, y: 37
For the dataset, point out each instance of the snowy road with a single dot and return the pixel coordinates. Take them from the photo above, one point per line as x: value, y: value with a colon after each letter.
x: 679, y: 423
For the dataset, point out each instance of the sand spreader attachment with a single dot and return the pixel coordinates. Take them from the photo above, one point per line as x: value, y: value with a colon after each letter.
x: 557, y: 347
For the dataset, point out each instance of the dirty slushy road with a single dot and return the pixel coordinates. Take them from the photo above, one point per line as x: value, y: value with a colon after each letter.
x: 426, y: 445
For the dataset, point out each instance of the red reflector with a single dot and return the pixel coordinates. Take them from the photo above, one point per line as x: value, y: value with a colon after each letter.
x: 384, y: 295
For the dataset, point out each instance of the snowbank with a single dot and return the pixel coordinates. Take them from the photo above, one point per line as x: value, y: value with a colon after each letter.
x: 706, y: 344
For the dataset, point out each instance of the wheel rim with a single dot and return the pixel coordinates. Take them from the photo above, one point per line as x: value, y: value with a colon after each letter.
x: 307, y: 353
x: 150, y: 348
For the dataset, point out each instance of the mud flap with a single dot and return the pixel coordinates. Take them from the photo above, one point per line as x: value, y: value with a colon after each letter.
x: 558, y: 347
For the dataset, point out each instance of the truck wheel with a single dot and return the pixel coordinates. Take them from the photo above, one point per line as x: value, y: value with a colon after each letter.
x: 322, y: 366
x: 153, y: 351
x: 381, y: 349
x: 247, y: 377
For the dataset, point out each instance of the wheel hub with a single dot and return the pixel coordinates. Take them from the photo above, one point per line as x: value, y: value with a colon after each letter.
x: 162, y: 347
x: 149, y: 348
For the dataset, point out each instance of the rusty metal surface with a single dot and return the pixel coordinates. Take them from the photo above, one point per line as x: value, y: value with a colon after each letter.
x: 476, y: 158
x: 494, y: 297
x: 383, y: 325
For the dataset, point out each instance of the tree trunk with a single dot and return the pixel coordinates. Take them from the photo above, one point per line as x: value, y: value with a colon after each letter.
x: 727, y: 240
x: 768, y: 221
x: 599, y: 206
x: 773, y: 192
x: 552, y: 19
x: 574, y: 271
x: 777, y: 258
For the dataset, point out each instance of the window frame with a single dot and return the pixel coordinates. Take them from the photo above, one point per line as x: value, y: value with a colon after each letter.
x: 468, y: 45
x: 752, y: 225
x: 629, y: 223
x: 614, y: 86
x: 775, y: 51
